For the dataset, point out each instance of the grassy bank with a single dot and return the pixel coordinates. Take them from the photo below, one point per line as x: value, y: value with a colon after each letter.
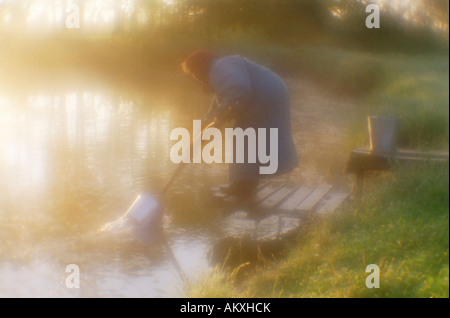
x: 402, y: 226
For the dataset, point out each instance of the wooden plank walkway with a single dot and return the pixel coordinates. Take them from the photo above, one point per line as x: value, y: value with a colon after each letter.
x: 276, y: 208
x: 362, y: 160
x: 277, y: 198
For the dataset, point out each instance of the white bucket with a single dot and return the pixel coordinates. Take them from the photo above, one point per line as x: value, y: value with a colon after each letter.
x: 383, y: 134
x: 144, y: 208
x: 146, y: 216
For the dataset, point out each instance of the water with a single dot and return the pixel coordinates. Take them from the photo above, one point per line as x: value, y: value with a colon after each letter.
x: 74, y: 160
x: 71, y: 162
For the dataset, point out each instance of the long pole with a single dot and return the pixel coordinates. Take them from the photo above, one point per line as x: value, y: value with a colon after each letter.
x: 164, y: 190
x: 181, y: 164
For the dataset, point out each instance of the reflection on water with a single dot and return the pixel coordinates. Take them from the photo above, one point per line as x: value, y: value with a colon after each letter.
x: 71, y: 162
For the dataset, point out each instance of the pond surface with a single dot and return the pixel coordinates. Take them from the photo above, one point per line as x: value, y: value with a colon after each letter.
x: 71, y: 162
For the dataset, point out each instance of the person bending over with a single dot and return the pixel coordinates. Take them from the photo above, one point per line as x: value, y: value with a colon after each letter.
x: 254, y: 97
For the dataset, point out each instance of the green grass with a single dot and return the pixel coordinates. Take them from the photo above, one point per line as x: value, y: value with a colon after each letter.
x: 402, y: 226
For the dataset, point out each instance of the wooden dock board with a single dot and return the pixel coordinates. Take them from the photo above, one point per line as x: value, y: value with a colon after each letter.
x: 409, y: 153
x: 275, y: 208
x: 295, y: 198
x: 313, y: 198
x: 275, y: 198
x: 263, y: 193
x: 331, y: 202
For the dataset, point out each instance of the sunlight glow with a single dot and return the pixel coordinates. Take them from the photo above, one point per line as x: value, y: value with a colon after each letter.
x: 336, y: 12
x: 44, y: 14
x: 7, y: 18
x: 112, y: 15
